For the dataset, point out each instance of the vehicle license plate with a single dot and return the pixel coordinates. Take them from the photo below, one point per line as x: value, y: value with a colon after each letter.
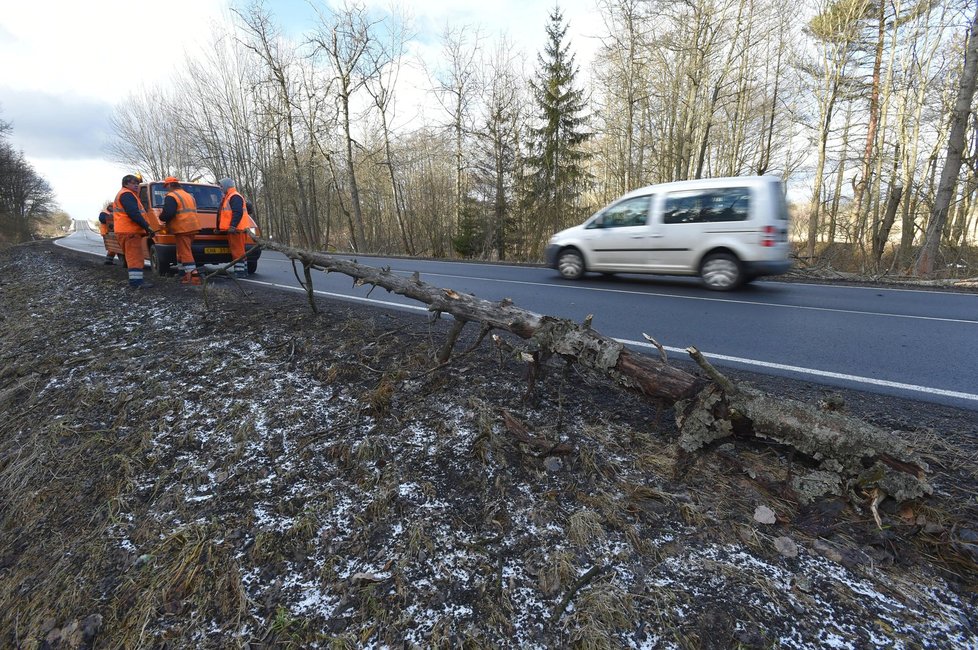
x: 216, y: 250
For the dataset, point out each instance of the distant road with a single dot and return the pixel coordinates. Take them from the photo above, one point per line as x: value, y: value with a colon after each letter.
x: 917, y: 344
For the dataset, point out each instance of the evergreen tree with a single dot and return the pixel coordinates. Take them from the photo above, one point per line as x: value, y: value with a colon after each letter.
x: 558, y: 174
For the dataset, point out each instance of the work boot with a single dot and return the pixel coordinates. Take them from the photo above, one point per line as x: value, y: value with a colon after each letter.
x: 192, y: 279
x: 141, y: 285
x: 109, y: 261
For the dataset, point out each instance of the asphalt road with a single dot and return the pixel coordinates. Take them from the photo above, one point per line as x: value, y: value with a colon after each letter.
x: 907, y: 343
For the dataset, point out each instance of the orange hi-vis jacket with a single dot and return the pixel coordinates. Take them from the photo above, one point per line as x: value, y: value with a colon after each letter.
x: 106, y: 226
x: 185, y: 219
x: 224, y: 212
x: 123, y: 224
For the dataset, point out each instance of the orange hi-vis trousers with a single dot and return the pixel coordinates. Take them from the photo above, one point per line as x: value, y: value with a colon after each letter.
x: 132, y: 244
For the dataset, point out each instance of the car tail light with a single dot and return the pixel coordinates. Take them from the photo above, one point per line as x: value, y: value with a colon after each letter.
x: 768, y: 238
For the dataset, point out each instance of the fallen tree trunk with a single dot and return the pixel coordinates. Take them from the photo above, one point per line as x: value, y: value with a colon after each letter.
x: 851, y: 455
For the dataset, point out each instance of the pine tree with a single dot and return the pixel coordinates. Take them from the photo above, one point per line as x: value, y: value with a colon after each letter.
x: 558, y: 175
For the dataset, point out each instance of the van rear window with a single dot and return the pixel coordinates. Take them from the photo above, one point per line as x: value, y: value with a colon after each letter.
x: 707, y: 206
x: 206, y: 197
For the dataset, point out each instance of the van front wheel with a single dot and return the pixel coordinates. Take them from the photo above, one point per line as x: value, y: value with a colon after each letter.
x: 570, y: 264
x: 721, y: 272
x: 160, y: 263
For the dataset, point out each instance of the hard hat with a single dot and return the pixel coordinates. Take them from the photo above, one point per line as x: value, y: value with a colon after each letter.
x: 170, y: 179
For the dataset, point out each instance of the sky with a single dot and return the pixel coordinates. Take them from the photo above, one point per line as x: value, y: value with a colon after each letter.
x: 66, y: 64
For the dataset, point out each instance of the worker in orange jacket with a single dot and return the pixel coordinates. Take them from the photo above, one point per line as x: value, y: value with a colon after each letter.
x: 131, y: 228
x: 233, y: 217
x: 104, y: 228
x: 180, y: 216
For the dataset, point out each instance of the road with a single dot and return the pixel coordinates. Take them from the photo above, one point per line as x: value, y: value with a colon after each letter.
x: 906, y: 343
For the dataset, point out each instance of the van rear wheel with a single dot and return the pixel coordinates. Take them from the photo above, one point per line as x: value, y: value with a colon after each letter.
x: 570, y: 263
x: 721, y: 272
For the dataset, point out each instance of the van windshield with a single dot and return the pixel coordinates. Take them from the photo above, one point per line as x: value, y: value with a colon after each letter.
x: 207, y: 197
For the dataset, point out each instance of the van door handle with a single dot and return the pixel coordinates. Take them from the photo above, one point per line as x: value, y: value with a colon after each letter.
x: 656, y: 236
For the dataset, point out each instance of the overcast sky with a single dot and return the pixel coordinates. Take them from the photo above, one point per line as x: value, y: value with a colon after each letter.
x: 66, y: 63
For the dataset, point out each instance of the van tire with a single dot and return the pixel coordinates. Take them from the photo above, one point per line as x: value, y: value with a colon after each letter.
x: 721, y: 272
x: 252, y: 266
x: 570, y: 264
x: 161, y: 266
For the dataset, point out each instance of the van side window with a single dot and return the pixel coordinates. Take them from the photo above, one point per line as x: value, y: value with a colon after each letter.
x: 708, y: 206
x: 631, y: 212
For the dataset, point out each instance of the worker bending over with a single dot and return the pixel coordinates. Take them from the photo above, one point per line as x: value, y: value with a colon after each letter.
x: 104, y: 228
x: 232, y: 216
x: 180, y: 216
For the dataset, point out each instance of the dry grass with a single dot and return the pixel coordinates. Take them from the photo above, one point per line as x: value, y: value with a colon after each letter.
x: 328, y: 486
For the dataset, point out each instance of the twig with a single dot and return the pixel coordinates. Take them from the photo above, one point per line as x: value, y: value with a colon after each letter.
x: 224, y: 268
x: 482, y: 334
x: 308, y: 286
x: 662, y: 350
x: 592, y: 573
x: 714, y: 374
x: 453, y: 334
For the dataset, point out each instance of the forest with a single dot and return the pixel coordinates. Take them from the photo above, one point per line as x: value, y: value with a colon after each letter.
x: 865, y: 108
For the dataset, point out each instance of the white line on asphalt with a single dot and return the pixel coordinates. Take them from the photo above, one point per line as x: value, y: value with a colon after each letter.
x: 701, y: 298
x: 728, y: 300
x: 818, y: 373
x: 341, y: 296
x: 722, y: 357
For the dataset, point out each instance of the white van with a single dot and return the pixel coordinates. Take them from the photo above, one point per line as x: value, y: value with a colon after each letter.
x: 726, y: 230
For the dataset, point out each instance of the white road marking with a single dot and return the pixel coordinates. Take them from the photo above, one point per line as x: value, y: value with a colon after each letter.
x: 817, y: 373
x: 722, y: 357
x: 965, y: 321
x: 709, y: 299
x: 341, y: 296
x: 642, y: 344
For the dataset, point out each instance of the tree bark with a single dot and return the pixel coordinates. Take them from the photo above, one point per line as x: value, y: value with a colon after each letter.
x: 955, y: 147
x: 850, y: 454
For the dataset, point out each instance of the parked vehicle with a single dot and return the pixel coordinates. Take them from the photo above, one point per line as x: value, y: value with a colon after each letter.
x: 726, y: 230
x: 210, y: 245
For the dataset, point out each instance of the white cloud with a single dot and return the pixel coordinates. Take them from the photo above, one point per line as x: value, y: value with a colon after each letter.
x: 83, y: 187
x: 60, y: 126
x: 98, y: 49
x: 67, y: 63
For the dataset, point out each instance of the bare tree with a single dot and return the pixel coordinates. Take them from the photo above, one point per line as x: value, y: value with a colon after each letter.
x: 835, y: 29
x: 387, y: 61
x: 456, y: 86
x: 955, y: 147
x: 345, y: 36
x: 26, y: 198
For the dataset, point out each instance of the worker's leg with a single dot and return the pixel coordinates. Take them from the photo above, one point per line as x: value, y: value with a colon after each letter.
x: 236, y: 242
x: 132, y: 244
x: 185, y: 258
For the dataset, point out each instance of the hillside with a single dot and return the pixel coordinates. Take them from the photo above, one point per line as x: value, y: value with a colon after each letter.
x: 186, y: 470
